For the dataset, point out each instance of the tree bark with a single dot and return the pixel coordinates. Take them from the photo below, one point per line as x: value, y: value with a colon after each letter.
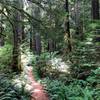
x: 17, y: 38
x: 95, y: 9
x: 35, y: 38
x: 67, y: 27
x: 1, y: 40
x: 1, y: 30
x: 38, y: 43
x: 51, y: 45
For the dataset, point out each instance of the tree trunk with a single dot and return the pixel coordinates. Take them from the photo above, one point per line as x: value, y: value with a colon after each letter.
x: 77, y: 17
x: 51, y: 45
x: 1, y: 30
x: 95, y: 9
x: 67, y: 27
x: 1, y: 40
x: 17, y: 34
x: 23, y: 33
x: 32, y: 40
x: 15, y: 49
x: 35, y: 38
x: 96, y: 16
x: 38, y: 43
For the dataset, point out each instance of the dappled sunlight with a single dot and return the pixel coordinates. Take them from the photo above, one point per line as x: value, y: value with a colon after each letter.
x: 21, y: 82
x: 59, y: 64
x: 89, y: 43
x: 49, y: 50
x: 13, y: 88
x: 27, y: 80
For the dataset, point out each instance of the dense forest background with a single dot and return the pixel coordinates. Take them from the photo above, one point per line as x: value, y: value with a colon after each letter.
x: 59, y: 40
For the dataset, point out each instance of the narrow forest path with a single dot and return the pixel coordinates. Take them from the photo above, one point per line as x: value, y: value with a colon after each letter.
x: 36, y: 89
x: 38, y: 92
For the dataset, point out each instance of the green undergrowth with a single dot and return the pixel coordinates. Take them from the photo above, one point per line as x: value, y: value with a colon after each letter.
x: 83, y: 83
x: 5, y: 57
x: 69, y: 87
x: 74, y: 89
x: 9, y: 91
x: 39, y: 64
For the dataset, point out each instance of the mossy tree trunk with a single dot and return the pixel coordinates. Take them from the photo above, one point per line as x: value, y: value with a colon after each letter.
x: 17, y: 38
x: 67, y: 28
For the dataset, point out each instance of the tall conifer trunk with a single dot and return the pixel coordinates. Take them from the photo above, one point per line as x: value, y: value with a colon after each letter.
x: 67, y: 27
x: 95, y: 9
x: 17, y: 37
x: 1, y: 30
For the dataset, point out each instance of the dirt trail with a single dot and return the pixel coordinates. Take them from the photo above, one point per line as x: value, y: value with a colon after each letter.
x: 38, y: 92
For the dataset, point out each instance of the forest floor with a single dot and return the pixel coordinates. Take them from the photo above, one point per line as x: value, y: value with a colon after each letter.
x: 38, y: 90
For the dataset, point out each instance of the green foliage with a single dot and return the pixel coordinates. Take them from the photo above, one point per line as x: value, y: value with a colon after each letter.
x: 75, y: 91
x: 83, y: 60
x: 10, y: 92
x: 5, y: 56
x: 47, y: 55
x: 95, y: 24
x: 94, y: 78
x: 41, y: 62
x: 49, y: 22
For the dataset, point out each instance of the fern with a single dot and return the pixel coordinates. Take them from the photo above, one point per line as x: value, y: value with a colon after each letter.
x: 9, y: 92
